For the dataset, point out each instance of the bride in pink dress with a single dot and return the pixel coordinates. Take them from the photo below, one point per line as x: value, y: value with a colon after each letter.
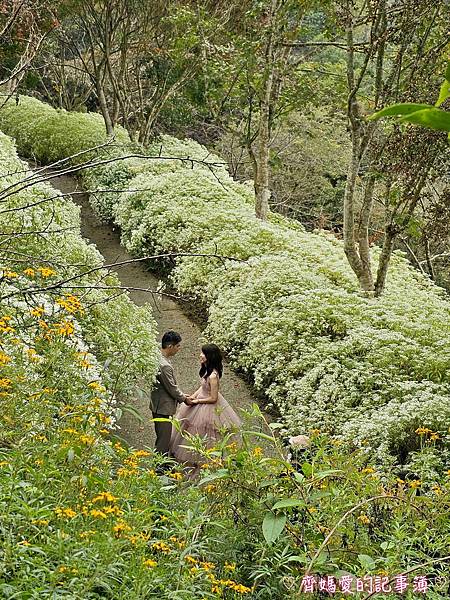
x: 208, y: 414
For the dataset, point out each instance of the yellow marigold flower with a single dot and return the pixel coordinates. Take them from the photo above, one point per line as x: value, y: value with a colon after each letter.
x: 86, y: 534
x: 96, y: 386
x: 29, y: 272
x: 177, y: 476
x: 207, y: 566
x: 122, y: 472
x: 141, y: 453
x: 65, y: 328
x: 150, y: 563
x: 364, y: 519
x: 4, y: 327
x: 46, y: 272
x: 40, y: 522
x: 448, y: 473
x: 39, y: 462
x: 151, y: 472
x: 423, y: 430
x: 65, y: 512
x: 190, y: 559
x: 98, y: 514
x: 434, y: 437
x: 104, y: 431
x: 37, y: 311
x: 5, y: 382
x: 163, y: 518
x: 10, y: 274
x: 161, y: 547
x: 4, y: 358
x: 104, y: 497
x: 210, y: 488
x: 120, y: 527
x: 368, y: 470
x: 437, y: 490
x: 311, y: 509
x: 112, y: 510
x: 415, y: 483
x: 257, y: 451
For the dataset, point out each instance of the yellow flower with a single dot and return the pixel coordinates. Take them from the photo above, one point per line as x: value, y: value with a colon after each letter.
x: 150, y: 563
x: 65, y: 512
x: 40, y: 522
x: 210, y: 488
x: 96, y: 386
x: 230, y: 566
x: 448, y: 473
x: 29, y: 272
x: 24, y: 543
x: 104, y: 497
x: 5, y: 382
x: 207, y: 566
x: 414, y: 484
x: 364, y: 519
x: 177, y: 476
x: 4, y: 359
x: 437, y: 490
x: 10, y: 274
x: 65, y: 328
x: 423, y: 430
x: 120, y: 527
x: 161, y: 547
x: 46, y: 272
x: 140, y: 453
x: 434, y: 437
x: 98, y: 514
x: 257, y: 451
x: 190, y: 559
x: 368, y: 470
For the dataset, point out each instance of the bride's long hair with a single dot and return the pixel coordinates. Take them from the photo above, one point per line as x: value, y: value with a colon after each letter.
x: 213, y: 361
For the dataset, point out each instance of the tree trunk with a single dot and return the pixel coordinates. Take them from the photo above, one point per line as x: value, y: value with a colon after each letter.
x: 385, y: 257
x: 103, y: 105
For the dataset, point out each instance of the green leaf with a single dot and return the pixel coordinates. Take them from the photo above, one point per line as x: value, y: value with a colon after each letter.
x: 434, y: 118
x: 397, y: 110
x: 444, y: 93
x: 323, y: 474
x: 272, y: 526
x: 366, y: 562
x: 307, y: 469
x: 288, y: 503
x: 447, y: 72
x: 130, y: 409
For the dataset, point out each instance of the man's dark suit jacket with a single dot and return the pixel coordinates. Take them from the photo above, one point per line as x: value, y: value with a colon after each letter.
x: 166, y: 394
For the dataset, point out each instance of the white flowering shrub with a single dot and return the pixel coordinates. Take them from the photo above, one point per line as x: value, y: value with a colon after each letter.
x: 46, y: 230
x: 48, y: 134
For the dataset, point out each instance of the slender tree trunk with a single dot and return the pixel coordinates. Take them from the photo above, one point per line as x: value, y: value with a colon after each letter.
x: 385, y: 257
x: 103, y: 105
x: 261, y: 171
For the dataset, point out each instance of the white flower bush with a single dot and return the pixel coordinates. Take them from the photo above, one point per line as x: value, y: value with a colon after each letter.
x: 46, y: 231
x: 291, y: 315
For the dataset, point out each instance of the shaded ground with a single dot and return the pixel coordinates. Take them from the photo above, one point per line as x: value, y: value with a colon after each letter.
x: 167, y: 313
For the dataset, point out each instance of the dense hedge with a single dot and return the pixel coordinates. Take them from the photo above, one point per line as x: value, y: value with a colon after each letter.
x: 370, y: 370
x: 43, y: 230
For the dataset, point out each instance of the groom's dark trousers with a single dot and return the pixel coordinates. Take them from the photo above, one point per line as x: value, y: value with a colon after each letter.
x: 165, y: 397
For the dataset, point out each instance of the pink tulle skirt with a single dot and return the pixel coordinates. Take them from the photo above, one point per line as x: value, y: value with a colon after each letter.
x: 210, y: 421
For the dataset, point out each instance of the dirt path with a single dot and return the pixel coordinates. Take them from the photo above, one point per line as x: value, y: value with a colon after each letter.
x: 166, y: 312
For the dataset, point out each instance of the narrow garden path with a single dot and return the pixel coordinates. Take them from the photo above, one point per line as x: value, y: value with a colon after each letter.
x: 167, y: 313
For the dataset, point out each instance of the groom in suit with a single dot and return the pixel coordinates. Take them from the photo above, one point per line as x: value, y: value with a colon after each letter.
x: 166, y: 394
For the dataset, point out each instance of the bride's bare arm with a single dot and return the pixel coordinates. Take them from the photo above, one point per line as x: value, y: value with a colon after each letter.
x: 212, y: 399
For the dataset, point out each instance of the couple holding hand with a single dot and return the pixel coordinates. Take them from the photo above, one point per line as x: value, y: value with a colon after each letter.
x: 205, y: 412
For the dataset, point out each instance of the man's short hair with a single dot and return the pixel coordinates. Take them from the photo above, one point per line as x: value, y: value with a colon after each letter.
x: 170, y: 338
